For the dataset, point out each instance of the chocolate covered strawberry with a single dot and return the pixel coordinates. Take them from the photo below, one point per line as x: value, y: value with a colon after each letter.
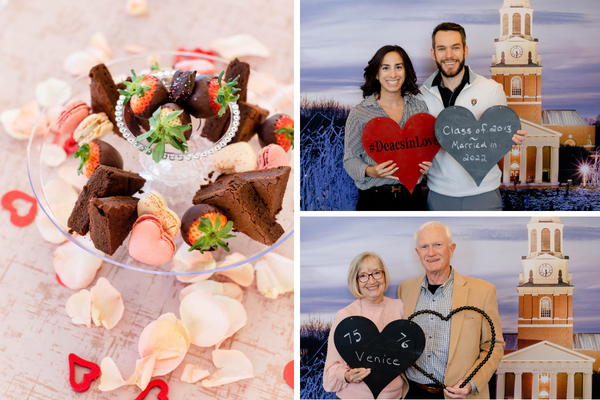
x: 182, y: 86
x: 204, y: 227
x: 95, y: 153
x: 145, y: 93
x: 210, y: 97
x: 279, y: 129
x: 167, y: 126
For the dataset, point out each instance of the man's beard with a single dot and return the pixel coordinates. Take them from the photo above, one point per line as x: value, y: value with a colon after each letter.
x: 461, y: 65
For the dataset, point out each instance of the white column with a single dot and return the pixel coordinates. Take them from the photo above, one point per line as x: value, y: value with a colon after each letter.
x: 506, y: 169
x: 535, y: 391
x: 523, y: 164
x: 570, y: 385
x: 538, y: 164
x: 500, y: 385
x: 587, y: 393
x: 554, y: 165
x: 518, y: 385
x: 553, y: 378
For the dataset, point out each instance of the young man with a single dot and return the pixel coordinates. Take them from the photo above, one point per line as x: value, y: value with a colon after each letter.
x: 451, y: 188
x: 453, y: 348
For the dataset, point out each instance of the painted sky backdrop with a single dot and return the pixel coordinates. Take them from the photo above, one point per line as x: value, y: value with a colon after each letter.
x: 338, y: 38
x: 489, y: 248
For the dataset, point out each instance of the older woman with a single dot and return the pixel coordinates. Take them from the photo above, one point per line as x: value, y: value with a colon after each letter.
x: 389, y: 91
x: 368, y: 278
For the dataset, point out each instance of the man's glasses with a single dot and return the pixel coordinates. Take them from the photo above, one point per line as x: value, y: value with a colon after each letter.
x: 377, y: 275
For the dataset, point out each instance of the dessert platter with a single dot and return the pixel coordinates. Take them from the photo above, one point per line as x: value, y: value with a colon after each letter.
x: 169, y: 158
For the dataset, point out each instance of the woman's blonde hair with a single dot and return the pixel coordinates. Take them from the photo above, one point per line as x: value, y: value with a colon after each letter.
x: 355, y: 266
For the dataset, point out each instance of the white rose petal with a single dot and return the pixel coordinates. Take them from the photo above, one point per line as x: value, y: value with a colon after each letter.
x: 192, y: 261
x: 48, y: 230
x: 69, y: 175
x: 53, y: 155
x: 233, y: 366
x: 228, y: 289
x: 193, y: 373
x: 205, y: 317
x: 107, y: 304
x: 274, y: 275
x: 243, y: 274
x: 75, y: 267
x: 136, y: 7
x: 239, y: 46
x: 58, y: 191
x: 111, y: 378
x: 237, y: 316
x: 79, y: 306
x: 53, y: 91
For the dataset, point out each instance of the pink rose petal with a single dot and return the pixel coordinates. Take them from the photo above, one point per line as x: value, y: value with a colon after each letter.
x: 233, y: 366
x: 237, y: 316
x: 274, y: 275
x: 107, y: 304
x: 239, y: 46
x: 79, y: 306
x: 207, y: 324
x: 192, y: 261
x: 111, y: 378
x: 75, y: 267
x: 144, y: 371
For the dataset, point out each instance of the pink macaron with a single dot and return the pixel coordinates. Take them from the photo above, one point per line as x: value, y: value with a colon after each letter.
x: 149, y: 243
x: 272, y: 156
x: 71, y: 116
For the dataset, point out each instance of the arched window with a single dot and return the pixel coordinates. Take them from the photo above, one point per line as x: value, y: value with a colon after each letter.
x: 557, y: 240
x: 533, y: 241
x: 545, y: 240
x: 527, y: 24
x: 570, y: 142
x: 505, y: 25
x: 516, y: 86
x: 516, y: 28
x: 545, y: 307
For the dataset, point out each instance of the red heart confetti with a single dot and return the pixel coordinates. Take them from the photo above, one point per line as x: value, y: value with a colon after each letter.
x: 384, y: 140
x: 87, y: 378
x: 8, y: 204
x: 164, y: 390
x: 288, y: 373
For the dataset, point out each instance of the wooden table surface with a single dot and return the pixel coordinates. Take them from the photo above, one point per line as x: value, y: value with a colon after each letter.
x: 36, y: 335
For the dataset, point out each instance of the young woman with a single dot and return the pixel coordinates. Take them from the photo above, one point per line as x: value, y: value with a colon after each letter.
x: 389, y: 91
x: 368, y: 278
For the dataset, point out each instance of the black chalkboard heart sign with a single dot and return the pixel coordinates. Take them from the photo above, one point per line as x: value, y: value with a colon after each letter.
x: 388, y: 353
x: 446, y: 318
x: 477, y: 145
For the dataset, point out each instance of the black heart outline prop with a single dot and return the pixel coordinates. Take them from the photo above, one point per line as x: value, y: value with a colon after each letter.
x: 446, y: 318
x: 399, y: 345
x: 477, y: 145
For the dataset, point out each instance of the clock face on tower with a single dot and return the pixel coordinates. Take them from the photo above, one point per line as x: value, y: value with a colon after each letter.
x: 545, y: 270
x: 516, y: 51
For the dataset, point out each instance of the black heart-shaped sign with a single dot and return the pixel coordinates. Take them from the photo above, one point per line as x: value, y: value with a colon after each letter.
x: 477, y: 145
x: 387, y: 354
x: 446, y: 318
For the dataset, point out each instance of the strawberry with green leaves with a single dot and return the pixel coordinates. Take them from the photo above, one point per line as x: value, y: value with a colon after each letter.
x: 204, y: 227
x: 167, y: 126
x: 145, y: 93
x: 210, y: 96
x: 95, y: 153
x: 279, y: 129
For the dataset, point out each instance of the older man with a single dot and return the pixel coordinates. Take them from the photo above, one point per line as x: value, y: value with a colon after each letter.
x: 453, y: 348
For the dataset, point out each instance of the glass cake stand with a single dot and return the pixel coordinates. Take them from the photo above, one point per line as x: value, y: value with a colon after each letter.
x: 177, y: 177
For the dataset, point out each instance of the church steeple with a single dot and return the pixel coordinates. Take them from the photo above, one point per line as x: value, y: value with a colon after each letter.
x: 545, y: 286
x: 516, y: 65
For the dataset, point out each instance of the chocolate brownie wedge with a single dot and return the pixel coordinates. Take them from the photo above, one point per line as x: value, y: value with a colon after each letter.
x: 216, y: 127
x: 104, y: 182
x: 251, y: 117
x: 104, y: 93
x: 111, y: 220
x: 269, y: 184
x: 241, y: 69
x: 241, y: 204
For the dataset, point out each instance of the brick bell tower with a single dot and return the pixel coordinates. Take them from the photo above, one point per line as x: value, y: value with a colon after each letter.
x: 516, y: 64
x: 545, y: 287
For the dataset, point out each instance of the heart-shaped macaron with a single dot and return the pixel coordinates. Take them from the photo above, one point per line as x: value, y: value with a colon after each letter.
x: 149, y: 243
x: 162, y: 395
x: 384, y: 140
x: 87, y: 378
x: 8, y: 203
